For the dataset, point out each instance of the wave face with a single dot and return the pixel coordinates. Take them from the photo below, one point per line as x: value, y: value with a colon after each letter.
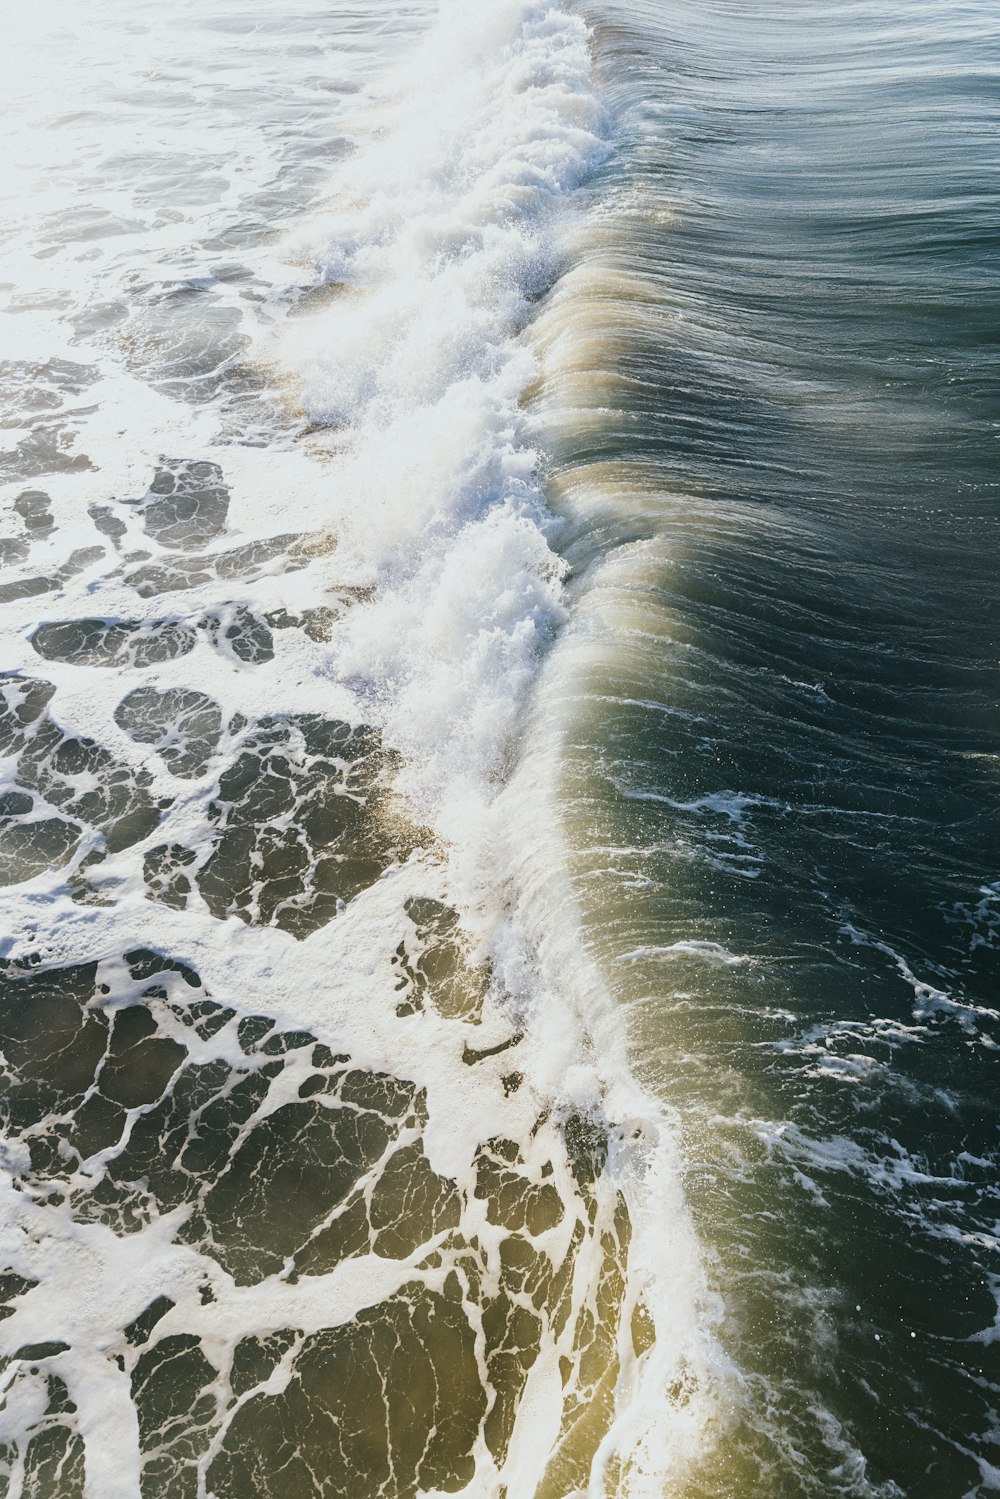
x: 324, y: 1172
x: 769, y: 389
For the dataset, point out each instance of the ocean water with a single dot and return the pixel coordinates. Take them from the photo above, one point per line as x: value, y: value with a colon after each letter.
x: 499, y: 731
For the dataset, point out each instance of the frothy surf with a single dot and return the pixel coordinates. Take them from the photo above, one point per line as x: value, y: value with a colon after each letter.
x: 326, y: 1172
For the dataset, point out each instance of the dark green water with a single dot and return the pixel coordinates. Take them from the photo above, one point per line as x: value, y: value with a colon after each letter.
x: 774, y: 394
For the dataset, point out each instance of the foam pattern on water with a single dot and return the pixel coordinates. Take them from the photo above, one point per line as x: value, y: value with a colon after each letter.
x: 324, y: 1173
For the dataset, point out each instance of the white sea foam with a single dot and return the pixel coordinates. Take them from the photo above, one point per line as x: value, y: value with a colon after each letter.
x: 438, y: 233
x: 422, y: 264
x: 712, y: 952
x: 930, y: 1002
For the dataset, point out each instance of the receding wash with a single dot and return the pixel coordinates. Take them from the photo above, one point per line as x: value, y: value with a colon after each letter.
x: 500, y: 747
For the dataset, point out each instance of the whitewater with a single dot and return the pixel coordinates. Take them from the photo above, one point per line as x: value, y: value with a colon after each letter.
x: 325, y: 1169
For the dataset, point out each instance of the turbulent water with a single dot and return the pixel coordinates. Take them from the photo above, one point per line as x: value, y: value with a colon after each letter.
x: 499, y: 731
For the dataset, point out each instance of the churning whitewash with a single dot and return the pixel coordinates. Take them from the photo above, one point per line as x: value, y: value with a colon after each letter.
x: 325, y: 1174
